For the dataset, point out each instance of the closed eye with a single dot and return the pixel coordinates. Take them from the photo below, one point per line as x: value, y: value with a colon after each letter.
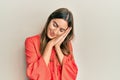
x: 62, y: 30
x: 55, y: 24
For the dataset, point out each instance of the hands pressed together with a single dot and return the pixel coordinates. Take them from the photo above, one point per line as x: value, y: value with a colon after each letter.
x: 58, y: 40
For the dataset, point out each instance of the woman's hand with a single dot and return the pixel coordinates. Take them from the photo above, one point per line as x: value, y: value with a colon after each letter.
x: 58, y: 40
x: 62, y: 37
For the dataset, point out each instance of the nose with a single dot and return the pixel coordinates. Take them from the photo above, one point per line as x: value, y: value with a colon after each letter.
x: 56, y: 31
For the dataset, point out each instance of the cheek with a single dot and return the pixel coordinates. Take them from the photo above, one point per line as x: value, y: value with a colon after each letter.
x: 60, y: 33
x: 51, y: 26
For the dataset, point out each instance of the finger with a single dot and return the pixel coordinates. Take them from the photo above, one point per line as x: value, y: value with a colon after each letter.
x: 67, y: 31
x: 62, y: 37
x: 66, y: 34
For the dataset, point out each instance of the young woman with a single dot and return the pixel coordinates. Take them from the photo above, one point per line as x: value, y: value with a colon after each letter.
x: 49, y: 55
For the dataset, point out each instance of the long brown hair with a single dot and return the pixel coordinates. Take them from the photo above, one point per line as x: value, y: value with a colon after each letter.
x: 61, y: 13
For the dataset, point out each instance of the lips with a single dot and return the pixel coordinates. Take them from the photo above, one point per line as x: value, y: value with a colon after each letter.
x: 52, y: 34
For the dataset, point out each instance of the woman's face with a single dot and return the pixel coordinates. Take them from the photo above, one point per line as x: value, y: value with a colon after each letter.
x: 56, y: 28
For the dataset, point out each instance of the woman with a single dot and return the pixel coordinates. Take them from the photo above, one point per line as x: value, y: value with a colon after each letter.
x: 49, y: 54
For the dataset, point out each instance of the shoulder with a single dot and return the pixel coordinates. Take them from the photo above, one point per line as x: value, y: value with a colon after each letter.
x: 33, y: 38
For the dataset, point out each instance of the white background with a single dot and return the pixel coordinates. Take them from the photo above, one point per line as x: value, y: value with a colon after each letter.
x: 97, y: 35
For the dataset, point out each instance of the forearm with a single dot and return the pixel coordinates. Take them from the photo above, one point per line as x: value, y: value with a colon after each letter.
x: 59, y: 54
x: 47, y: 53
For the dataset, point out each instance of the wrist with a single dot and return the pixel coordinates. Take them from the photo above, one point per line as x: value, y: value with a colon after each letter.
x: 57, y: 46
x: 51, y: 43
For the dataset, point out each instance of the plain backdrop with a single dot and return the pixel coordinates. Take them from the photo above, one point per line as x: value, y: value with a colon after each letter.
x: 97, y: 35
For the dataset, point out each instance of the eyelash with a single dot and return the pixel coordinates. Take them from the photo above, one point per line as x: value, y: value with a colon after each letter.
x: 61, y: 30
x: 54, y: 25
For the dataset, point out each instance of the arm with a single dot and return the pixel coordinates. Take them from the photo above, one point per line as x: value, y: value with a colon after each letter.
x: 47, y: 53
x: 69, y: 68
x: 59, y: 54
x: 36, y: 66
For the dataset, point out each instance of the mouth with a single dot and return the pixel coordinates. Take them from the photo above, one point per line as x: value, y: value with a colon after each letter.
x: 52, y: 34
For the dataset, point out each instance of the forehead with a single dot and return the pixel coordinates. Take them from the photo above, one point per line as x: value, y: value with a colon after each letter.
x: 61, y: 23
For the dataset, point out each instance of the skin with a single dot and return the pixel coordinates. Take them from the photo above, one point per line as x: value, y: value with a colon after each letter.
x: 57, y: 31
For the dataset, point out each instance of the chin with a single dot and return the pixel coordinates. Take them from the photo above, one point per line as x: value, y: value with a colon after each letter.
x: 50, y: 37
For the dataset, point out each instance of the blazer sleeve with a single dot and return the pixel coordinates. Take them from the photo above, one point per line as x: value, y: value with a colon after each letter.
x: 36, y: 66
x: 69, y: 67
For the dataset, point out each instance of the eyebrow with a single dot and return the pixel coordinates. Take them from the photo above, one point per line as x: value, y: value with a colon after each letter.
x: 58, y: 25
